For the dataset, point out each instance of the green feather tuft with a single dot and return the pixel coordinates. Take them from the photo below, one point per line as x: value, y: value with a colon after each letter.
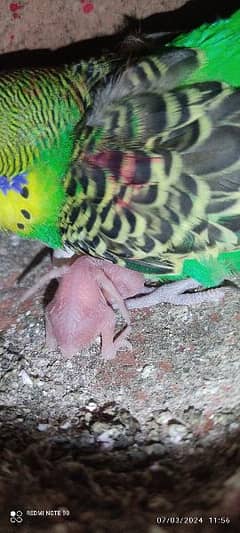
x: 220, y: 43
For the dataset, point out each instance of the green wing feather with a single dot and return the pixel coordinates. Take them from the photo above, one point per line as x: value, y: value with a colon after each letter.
x: 157, y: 183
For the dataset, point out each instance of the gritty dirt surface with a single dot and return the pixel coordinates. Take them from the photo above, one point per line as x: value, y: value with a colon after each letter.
x: 148, y: 442
x: 155, y: 432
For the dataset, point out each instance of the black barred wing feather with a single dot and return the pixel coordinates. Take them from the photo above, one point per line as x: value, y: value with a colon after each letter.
x: 158, y: 173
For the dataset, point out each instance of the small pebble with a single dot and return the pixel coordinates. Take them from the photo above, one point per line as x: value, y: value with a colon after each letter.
x: 26, y: 378
x: 42, y: 427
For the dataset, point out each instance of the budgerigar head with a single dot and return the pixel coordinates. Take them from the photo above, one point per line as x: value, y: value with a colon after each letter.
x: 38, y: 116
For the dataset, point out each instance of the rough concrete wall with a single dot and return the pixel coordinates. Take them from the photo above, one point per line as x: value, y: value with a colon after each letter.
x: 54, y: 23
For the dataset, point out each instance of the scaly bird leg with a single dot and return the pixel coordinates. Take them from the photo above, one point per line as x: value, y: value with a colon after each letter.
x: 174, y: 293
x: 110, y: 343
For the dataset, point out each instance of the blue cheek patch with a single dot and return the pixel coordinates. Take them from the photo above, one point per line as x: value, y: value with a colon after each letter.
x: 15, y: 184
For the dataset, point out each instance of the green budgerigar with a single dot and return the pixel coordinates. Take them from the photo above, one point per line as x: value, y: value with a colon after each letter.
x: 140, y: 169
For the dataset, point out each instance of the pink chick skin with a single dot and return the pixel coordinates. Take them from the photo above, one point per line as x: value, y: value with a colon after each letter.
x: 82, y: 306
